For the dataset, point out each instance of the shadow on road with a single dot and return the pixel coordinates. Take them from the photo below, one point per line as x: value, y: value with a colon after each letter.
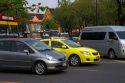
x: 15, y: 72
x: 25, y: 72
x: 123, y: 59
x: 90, y: 64
x: 57, y: 72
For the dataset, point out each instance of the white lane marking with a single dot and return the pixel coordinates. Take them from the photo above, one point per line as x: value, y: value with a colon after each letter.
x: 108, y: 62
x: 84, y: 70
x: 113, y: 61
x: 119, y: 61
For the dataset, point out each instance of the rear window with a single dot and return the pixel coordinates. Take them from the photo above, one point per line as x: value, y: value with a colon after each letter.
x: 93, y: 35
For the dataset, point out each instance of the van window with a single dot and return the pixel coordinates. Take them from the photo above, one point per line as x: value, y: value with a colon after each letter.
x: 93, y: 35
x: 112, y: 35
x: 121, y: 34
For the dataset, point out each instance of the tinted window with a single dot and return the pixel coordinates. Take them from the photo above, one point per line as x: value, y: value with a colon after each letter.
x: 93, y: 35
x: 112, y: 35
x: 56, y: 44
x: 5, y: 46
x: 14, y: 46
x: 20, y: 47
x: 121, y: 34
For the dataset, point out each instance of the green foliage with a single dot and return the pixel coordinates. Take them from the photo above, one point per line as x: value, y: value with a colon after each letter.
x: 15, y: 8
x: 82, y: 13
x: 75, y: 15
x: 49, y: 24
x: 107, y: 12
x: 85, y: 11
x: 65, y: 16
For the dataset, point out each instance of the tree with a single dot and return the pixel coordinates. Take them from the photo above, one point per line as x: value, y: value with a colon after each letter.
x: 75, y: 15
x: 49, y: 24
x: 65, y: 16
x: 37, y: 7
x: 107, y: 14
x: 82, y: 13
x: 15, y: 8
x: 112, y: 12
x: 62, y: 3
x: 120, y: 15
x: 85, y: 11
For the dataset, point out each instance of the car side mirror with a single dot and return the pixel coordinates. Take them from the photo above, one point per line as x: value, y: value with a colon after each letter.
x: 27, y: 52
x: 115, y: 38
x: 78, y: 43
x: 64, y: 47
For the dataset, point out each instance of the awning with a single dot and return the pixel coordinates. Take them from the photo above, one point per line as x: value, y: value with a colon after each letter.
x: 8, y: 23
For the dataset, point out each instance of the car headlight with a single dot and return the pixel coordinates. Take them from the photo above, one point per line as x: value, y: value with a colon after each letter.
x: 51, y: 58
x: 84, y: 52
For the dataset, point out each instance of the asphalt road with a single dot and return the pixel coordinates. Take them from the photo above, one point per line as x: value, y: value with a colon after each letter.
x: 107, y: 71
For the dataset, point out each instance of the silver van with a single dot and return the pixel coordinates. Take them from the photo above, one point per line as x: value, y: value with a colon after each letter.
x: 27, y: 53
x: 108, y: 40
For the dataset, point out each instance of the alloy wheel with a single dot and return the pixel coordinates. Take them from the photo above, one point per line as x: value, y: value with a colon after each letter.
x: 40, y: 68
x: 74, y: 60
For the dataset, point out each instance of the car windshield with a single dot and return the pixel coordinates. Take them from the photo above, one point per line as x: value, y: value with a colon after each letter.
x: 71, y: 43
x: 38, y: 45
x: 121, y: 34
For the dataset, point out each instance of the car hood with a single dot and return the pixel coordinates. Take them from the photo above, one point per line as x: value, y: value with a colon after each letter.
x: 54, y: 54
x: 86, y: 49
x: 122, y: 41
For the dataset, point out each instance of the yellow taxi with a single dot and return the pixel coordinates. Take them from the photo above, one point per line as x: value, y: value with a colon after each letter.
x: 75, y: 53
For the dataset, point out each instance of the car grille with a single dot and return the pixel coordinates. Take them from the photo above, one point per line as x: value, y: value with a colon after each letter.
x: 95, y: 53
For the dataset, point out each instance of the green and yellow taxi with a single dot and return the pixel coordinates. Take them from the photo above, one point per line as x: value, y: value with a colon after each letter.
x: 75, y: 53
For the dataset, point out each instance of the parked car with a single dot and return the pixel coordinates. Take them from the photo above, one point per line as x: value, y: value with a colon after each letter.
x: 25, y: 53
x: 63, y: 35
x: 109, y: 40
x: 74, y: 52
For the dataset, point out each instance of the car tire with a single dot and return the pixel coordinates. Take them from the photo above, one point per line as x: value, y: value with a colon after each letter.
x: 40, y: 68
x: 74, y: 60
x: 111, y: 54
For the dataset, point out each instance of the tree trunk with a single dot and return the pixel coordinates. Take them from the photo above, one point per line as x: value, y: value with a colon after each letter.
x: 120, y: 14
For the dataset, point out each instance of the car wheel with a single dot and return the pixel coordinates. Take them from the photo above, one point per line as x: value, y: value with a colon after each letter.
x: 40, y: 68
x: 111, y: 54
x: 74, y: 60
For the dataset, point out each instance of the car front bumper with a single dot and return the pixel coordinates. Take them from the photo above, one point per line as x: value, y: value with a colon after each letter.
x: 57, y: 65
